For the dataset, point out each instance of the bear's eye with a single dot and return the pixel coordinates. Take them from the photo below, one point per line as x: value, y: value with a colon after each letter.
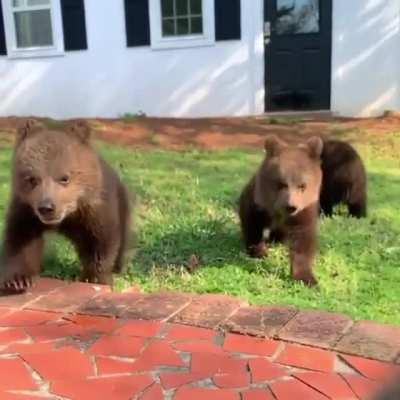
x: 64, y: 180
x: 302, y: 187
x: 31, y: 181
x: 282, y: 185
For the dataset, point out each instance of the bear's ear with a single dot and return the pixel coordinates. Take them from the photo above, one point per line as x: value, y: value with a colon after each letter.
x: 314, y: 146
x: 81, y: 130
x: 273, y: 145
x: 25, y: 129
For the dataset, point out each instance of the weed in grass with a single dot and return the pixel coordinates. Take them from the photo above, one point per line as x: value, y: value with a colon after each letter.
x: 129, y: 117
x: 154, y: 139
x: 284, y: 120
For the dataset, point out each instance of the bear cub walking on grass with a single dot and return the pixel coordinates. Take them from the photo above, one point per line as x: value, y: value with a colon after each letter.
x: 59, y: 183
x: 283, y: 197
x: 344, y: 179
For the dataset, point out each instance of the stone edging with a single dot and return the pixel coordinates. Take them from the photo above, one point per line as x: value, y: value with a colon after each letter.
x: 314, y: 328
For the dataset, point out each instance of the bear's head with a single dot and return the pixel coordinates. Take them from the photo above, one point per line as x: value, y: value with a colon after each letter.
x: 54, y: 171
x: 289, y: 179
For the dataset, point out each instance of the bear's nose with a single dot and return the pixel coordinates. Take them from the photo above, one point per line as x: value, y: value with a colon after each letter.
x: 291, y: 209
x: 46, y: 208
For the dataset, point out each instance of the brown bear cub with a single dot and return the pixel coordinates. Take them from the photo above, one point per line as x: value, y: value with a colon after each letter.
x: 344, y: 179
x: 283, y: 197
x: 60, y: 183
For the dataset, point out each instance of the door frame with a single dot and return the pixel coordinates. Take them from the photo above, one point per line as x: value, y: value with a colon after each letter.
x: 268, y: 66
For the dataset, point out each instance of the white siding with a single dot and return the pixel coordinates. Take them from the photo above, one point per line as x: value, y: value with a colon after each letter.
x: 225, y: 79
x: 366, y: 57
x: 109, y: 79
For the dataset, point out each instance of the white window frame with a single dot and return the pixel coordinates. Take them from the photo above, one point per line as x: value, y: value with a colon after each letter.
x: 158, y: 41
x: 56, y: 49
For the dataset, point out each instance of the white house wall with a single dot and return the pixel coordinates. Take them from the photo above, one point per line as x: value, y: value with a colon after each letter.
x: 110, y: 79
x: 226, y: 79
x: 365, y: 57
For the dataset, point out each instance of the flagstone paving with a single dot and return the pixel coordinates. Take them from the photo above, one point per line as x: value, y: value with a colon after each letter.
x: 80, y: 341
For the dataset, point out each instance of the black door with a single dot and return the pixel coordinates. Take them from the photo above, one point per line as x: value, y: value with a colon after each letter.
x: 298, y: 36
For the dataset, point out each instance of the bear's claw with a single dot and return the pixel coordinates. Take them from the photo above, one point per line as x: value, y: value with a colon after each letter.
x: 17, y: 284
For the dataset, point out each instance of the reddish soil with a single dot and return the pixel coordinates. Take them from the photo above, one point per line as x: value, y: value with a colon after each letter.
x: 217, y: 133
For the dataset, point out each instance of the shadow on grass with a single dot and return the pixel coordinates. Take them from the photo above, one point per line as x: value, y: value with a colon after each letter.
x: 212, y: 242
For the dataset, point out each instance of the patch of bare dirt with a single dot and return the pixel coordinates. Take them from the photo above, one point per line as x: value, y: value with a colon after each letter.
x: 218, y: 133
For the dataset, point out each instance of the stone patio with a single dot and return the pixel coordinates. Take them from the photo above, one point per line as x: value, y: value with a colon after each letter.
x: 81, y: 341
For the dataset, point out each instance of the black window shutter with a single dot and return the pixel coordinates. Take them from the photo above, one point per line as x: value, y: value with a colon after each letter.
x: 227, y: 20
x: 137, y: 22
x: 3, y: 48
x: 74, y: 24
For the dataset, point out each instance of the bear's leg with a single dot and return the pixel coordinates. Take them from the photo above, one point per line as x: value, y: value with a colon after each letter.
x: 253, y: 221
x: 357, y: 210
x: 302, y: 246
x: 253, y: 226
x: 327, y: 208
x: 124, y: 226
x: 22, y: 251
x: 277, y: 235
x: 357, y: 205
x: 326, y: 199
x: 98, y: 259
x: 357, y: 200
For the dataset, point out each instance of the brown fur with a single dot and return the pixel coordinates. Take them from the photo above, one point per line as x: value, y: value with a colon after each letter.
x: 59, y: 183
x: 282, y: 197
x: 344, y: 179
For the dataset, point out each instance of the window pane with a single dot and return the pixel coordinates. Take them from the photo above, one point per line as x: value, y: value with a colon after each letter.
x: 18, y: 3
x: 182, y: 7
x: 33, y: 28
x: 167, y: 7
x: 38, y: 2
x: 183, y: 26
x: 197, y: 25
x: 168, y: 27
x: 195, y: 7
x: 297, y: 16
x: 181, y: 17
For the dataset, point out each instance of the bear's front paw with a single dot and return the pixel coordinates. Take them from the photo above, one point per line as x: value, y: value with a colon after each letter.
x: 307, y: 278
x: 16, y: 283
x: 258, y: 250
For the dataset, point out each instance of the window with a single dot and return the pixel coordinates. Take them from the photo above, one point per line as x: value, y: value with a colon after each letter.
x: 297, y: 16
x: 32, y: 21
x: 33, y: 27
x: 181, y: 17
x: 181, y: 23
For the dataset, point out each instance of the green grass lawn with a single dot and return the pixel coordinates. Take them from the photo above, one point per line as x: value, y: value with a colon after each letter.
x: 187, y: 206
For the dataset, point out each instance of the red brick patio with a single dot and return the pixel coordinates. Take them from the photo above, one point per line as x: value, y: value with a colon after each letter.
x: 80, y: 341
